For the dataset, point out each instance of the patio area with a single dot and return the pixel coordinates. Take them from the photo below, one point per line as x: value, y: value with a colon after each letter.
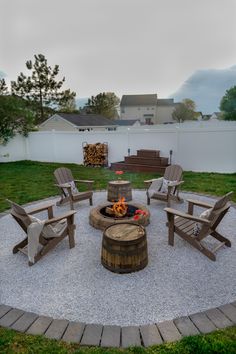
x: 73, y: 284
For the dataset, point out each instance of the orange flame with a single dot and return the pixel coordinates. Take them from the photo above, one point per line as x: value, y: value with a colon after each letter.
x: 120, y: 207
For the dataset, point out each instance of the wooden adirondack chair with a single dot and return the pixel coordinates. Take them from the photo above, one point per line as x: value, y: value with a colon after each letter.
x: 46, y: 244
x: 184, y: 225
x: 64, y: 181
x: 174, y: 174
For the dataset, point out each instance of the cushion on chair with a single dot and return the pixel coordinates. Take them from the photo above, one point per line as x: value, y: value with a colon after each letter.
x: 74, y: 189
x: 165, y: 184
x: 155, y: 186
x: 53, y: 230
x: 197, y: 227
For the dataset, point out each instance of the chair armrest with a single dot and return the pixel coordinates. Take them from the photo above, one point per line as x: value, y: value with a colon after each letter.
x: 89, y: 183
x: 83, y: 181
x: 186, y: 216
x: 41, y: 208
x: 148, y: 182
x: 61, y: 217
x: 63, y: 185
x: 199, y: 203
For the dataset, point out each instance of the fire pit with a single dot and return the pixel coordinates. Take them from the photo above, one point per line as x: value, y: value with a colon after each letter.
x: 100, y: 217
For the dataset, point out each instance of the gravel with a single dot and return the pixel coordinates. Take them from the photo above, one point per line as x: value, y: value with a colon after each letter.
x: 73, y: 284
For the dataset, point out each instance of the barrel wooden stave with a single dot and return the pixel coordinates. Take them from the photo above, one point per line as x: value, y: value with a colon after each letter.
x: 120, y: 256
x: 117, y: 190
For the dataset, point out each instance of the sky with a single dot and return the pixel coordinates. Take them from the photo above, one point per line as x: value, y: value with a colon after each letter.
x: 121, y: 46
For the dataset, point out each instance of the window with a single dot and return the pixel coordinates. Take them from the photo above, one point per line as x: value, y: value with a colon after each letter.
x: 148, y: 115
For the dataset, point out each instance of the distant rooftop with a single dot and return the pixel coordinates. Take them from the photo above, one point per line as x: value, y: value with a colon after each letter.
x: 125, y: 122
x: 86, y: 119
x: 165, y: 101
x: 139, y: 100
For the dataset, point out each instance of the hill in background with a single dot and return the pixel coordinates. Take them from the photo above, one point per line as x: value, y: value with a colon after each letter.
x: 81, y: 102
x: 206, y: 88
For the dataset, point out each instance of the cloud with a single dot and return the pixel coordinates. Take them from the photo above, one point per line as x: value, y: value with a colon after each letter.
x: 207, y: 87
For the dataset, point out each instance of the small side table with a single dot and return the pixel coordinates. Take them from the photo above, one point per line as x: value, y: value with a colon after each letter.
x: 118, y: 189
x: 124, y: 248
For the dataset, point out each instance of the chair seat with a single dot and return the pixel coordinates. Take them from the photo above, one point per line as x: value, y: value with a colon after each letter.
x: 65, y: 181
x: 184, y: 225
x: 82, y: 195
x: 42, y: 236
x: 159, y: 196
x: 172, y: 178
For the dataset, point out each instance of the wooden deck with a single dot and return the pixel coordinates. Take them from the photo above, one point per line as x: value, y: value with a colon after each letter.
x: 144, y: 161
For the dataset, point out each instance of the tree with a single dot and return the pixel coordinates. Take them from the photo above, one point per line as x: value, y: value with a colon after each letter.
x: 16, y: 116
x: 105, y: 103
x: 41, y: 88
x: 185, y: 110
x: 3, y: 87
x: 228, y: 104
x: 67, y: 103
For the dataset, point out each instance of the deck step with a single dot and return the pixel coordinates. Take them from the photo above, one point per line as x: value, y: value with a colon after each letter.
x: 144, y: 161
x: 148, y: 153
x: 137, y: 167
x: 158, y: 161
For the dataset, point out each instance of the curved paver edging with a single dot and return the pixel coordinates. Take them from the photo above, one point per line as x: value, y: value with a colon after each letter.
x: 116, y: 336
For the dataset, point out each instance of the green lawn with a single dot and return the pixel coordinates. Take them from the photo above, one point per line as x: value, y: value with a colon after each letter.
x: 219, y: 342
x: 26, y: 181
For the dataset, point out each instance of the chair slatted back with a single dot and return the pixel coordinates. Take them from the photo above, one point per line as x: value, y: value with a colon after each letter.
x: 173, y: 173
x: 63, y: 175
x: 20, y: 215
x: 219, y: 210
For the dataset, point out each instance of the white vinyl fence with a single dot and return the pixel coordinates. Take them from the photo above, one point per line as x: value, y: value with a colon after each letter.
x: 203, y: 147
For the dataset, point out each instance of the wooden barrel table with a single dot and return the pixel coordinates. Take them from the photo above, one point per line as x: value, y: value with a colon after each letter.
x: 124, y: 248
x: 118, y: 189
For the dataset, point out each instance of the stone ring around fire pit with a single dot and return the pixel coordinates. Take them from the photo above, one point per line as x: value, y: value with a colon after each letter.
x: 99, y: 219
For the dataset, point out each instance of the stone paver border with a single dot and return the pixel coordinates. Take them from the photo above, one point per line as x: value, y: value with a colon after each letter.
x: 115, y: 336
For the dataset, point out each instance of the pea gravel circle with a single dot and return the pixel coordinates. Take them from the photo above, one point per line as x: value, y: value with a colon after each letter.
x: 72, y: 283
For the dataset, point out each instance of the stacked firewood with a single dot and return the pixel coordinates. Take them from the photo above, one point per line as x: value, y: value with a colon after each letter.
x: 95, y: 154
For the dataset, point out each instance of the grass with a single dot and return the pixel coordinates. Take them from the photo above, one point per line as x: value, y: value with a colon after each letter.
x: 26, y: 181
x: 218, y: 342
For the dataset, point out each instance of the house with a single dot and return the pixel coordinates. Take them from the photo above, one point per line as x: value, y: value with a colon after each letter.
x: 77, y: 122
x: 165, y: 108
x: 206, y: 116
x: 216, y: 116
x: 148, y: 108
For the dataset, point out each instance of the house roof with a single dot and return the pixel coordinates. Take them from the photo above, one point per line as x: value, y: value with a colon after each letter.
x: 217, y: 114
x: 126, y: 122
x: 86, y: 120
x: 139, y: 100
x: 165, y: 101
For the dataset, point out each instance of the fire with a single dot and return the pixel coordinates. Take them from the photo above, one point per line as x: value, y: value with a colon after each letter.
x: 120, y: 208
